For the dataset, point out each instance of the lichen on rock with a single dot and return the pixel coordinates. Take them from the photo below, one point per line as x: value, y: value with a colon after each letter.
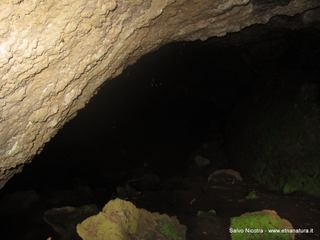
x: 121, y: 220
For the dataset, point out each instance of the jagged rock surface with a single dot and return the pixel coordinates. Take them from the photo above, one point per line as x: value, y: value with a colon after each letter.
x: 121, y: 220
x: 54, y: 55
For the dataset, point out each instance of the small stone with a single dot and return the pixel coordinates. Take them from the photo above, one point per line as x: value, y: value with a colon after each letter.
x: 228, y: 176
x: 251, y: 195
x: 201, y: 161
x: 212, y: 212
x: 201, y: 213
x: 209, y: 213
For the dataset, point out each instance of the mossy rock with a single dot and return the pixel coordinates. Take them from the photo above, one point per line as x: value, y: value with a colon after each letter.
x: 209, y: 213
x: 252, y: 195
x: 121, y: 220
x: 274, y: 134
x: 167, y: 228
x: 258, y: 226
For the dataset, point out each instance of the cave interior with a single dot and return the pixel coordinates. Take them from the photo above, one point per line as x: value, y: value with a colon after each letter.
x: 155, y: 135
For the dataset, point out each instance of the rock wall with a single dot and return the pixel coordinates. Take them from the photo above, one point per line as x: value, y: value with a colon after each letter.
x: 54, y: 54
x: 274, y: 134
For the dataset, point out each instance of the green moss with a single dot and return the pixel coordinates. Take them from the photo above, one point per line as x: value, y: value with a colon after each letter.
x: 167, y: 229
x: 202, y: 213
x: 256, y: 225
x: 289, y: 188
x: 124, y: 213
x: 251, y: 195
x: 121, y: 220
x: 99, y: 227
x: 306, y: 179
x: 275, y: 137
x: 212, y: 212
x: 289, y: 178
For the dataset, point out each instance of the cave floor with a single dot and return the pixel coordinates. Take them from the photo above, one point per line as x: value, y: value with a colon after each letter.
x: 229, y: 201
x: 189, y: 197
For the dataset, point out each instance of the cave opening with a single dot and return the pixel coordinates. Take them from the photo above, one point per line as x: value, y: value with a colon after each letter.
x: 157, y: 134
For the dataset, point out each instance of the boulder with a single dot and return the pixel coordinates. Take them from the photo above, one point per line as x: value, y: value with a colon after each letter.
x: 121, y: 220
x: 265, y: 224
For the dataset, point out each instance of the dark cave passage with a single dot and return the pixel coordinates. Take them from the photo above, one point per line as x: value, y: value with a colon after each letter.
x: 154, y: 134
x: 158, y: 112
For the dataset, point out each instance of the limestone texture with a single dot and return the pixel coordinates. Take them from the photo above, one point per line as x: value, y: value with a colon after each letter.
x: 121, y: 220
x: 54, y: 54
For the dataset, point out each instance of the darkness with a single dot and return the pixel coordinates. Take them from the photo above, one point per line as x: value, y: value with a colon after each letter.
x: 159, y: 112
x: 175, y: 104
